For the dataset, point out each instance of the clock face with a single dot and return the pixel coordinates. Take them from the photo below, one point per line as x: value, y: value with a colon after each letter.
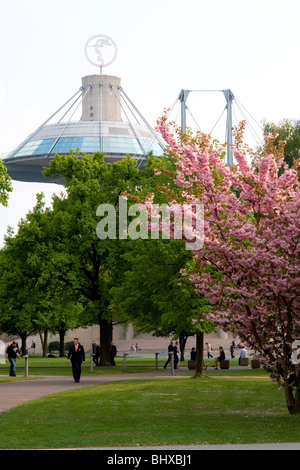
x: 100, y: 50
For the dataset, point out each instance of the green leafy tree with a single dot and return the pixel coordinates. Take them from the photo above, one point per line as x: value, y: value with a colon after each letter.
x: 19, y: 285
x: 5, y: 185
x: 289, y: 131
x: 153, y: 294
x: 88, y: 265
x: 31, y: 296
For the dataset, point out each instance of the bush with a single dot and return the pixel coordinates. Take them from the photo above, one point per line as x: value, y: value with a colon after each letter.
x: 68, y: 344
x: 53, y: 346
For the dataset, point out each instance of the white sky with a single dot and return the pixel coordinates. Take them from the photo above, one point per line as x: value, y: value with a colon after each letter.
x: 251, y: 47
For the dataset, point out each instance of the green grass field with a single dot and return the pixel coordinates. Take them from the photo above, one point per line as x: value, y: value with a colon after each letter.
x: 39, y: 365
x: 220, y: 408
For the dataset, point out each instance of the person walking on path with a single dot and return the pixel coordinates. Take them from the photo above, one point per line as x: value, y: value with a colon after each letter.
x: 113, y: 353
x: 11, y: 355
x: 171, y: 349
x: 77, y: 357
x: 96, y: 353
x: 232, y: 350
x: 208, y: 349
x: 176, y: 355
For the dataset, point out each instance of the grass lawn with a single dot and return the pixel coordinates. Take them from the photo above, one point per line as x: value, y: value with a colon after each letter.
x: 162, y: 411
x: 39, y: 365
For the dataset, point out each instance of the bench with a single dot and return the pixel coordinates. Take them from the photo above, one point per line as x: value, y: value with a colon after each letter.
x: 255, y: 364
x: 244, y: 361
x: 224, y: 364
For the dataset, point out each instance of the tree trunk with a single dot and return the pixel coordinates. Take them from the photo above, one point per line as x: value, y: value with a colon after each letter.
x: 297, y: 401
x: 292, y: 402
x: 106, y: 330
x: 62, y: 333
x: 23, y: 337
x: 44, y: 342
x: 182, y: 343
x: 199, y: 370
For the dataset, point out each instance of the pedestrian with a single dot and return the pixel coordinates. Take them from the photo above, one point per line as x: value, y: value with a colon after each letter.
x: 243, y: 353
x: 96, y: 353
x: 220, y: 358
x: 171, y: 349
x: 193, y: 354
x: 33, y: 347
x: 77, y: 357
x: 232, y: 350
x: 177, y: 355
x: 11, y: 355
x: 208, y: 349
x: 113, y: 353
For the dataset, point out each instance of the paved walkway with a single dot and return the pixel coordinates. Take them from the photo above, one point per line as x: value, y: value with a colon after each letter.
x: 14, y: 393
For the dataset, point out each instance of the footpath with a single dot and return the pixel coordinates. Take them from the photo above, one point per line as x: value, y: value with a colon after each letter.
x: 14, y: 393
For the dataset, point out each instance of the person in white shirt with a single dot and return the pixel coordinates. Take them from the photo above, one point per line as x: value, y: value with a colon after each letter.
x: 243, y: 353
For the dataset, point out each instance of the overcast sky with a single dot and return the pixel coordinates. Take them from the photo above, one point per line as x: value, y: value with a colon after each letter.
x: 251, y: 47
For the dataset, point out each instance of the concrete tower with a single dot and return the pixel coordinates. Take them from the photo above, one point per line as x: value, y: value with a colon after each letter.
x: 101, y: 104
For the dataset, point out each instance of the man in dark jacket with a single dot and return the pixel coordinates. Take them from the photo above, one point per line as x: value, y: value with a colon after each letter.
x: 96, y: 353
x: 220, y: 358
x: 77, y: 357
x: 11, y: 355
x: 113, y: 353
x: 171, y: 349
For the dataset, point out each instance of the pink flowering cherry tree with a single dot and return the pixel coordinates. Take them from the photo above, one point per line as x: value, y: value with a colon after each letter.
x: 249, y: 264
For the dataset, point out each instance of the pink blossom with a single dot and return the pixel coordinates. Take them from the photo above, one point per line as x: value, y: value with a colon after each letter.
x: 249, y: 265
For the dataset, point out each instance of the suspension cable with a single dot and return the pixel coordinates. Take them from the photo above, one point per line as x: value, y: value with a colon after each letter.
x: 132, y: 128
x: 57, y: 139
x: 56, y: 112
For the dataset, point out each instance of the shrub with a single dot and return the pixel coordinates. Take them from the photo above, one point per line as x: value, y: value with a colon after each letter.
x: 53, y: 346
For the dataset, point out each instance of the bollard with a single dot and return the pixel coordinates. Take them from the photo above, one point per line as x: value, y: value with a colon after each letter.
x: 91, y: 363
x: 26, y: 365
x: 124, y: 361
x: 2, y: 352
x: 156, y: 360
x: 172, y: 363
